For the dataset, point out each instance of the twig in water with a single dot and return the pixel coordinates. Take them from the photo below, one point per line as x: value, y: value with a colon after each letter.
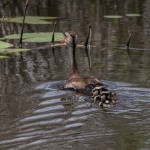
x: 88, y: 54
x: 53, y: 35
x: 87, y: 45
x: 128, y: 47
x: 90, y: 36
x: 88, y: 39
x: 52, y: 41
x: 20, y: 43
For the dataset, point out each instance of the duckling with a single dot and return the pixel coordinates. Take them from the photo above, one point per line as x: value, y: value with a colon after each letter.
x: 108, y: 99
x: 105, y: 95
x: 107, y: 103
x: 98, y: 90
x: 88, y: 88
x: 96, y: 98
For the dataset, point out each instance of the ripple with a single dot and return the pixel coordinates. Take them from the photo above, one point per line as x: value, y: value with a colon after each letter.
x: 84, y: 105
x: 53, y: 120
x: 84, y: 111
x: 19, y: 139
x: 49, y: 85
x: 34, y: 143
x: 43, y: 116
x: 51, y: 101
x: 53, y: 94
x: 73, y: 125
x: 40, y: 123
x: 76, y: 118
x: 47, y: 109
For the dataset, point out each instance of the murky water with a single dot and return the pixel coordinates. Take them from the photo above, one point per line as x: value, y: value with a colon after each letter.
x: 37, y: 114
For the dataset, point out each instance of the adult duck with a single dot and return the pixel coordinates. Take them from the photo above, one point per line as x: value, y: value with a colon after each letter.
x: 75, y: 81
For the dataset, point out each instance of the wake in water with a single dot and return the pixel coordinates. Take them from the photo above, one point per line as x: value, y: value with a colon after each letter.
x: 61, y: 115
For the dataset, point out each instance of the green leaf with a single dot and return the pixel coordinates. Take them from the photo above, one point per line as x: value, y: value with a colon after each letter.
x: 3, y: 57
x: 13, y: 50
x: 29, y: 19
x: 5, y: 45
x: 113, y: 17
x: 133, y: 15
x: 37, y: 37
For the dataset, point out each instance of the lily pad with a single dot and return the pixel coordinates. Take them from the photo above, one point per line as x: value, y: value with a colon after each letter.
x: 12, y: 50
x: 4, y: 57
x: 133, y: 15
x: 113, y: 17
x: 37, y: 37
x: 29, y: 19
x: 5, y: 45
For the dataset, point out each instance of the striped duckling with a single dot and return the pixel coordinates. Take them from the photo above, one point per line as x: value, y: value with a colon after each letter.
x: 100, y: 93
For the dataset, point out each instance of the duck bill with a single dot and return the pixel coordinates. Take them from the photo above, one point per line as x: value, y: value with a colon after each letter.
x: 62, y: 41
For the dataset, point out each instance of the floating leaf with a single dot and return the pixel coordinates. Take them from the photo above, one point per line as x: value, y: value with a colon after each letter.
x: 5, y: 45
x: 1, y: 38
x: 133, y: 15
x: 12, y: 50
x: 29, y: 19
x: 113, y: 17
x: 4, y: 57
x: 37, y: 37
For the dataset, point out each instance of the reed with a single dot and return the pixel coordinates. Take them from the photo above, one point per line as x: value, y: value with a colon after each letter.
x: 23, y: 21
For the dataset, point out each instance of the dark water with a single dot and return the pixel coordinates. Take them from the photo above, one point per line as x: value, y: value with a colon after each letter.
x: 37, y: 114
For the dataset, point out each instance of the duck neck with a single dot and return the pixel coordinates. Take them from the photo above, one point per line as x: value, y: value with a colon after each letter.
x: 74, y: 69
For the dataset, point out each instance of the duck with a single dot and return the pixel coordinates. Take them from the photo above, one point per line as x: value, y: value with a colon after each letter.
x: 75, y: 80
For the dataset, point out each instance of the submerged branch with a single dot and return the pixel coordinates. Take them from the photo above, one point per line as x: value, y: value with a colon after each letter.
x: 88, y: 39
x: 52, y: 41
x: 128, y: 47
x: 88, y: 52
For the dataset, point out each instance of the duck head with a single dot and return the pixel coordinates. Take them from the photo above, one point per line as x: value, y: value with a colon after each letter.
x: 70, y: 39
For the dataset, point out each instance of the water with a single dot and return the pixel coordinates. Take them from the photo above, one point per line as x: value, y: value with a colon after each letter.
x: 37, y: 114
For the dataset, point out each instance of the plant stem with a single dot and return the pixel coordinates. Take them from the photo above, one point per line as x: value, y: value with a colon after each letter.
x: 52, y: 41
x: 128, y: 47
x: 20, y: 43
x: 87, y: 45
x: 53, y: 36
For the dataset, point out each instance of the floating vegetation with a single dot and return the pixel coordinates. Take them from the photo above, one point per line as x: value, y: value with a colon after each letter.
x: 4, y: 45
x: 4, y: 57
x: 5, y: 49
x: 29, y: 19
x: 113, y: 16
x: 37, y: 37
x: 13, y: 50
x: 133, y: 15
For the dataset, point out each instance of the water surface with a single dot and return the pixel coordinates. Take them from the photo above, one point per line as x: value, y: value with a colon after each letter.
x: 37, y: 114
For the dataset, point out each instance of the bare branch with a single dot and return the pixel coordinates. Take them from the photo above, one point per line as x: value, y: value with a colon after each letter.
x: 52, y: 41
x: 20, y: 43
x: 128, y: 46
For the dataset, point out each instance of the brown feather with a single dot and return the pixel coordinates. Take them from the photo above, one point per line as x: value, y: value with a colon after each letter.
x: 75, y: 81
